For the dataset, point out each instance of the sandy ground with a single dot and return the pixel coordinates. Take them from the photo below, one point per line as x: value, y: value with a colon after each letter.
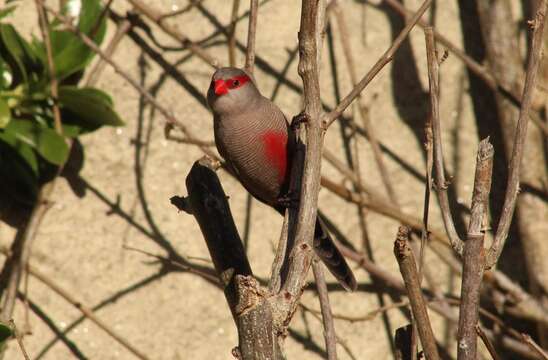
x: 175, y: 315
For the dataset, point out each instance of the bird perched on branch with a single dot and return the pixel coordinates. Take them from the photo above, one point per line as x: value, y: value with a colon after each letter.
x: 257, y: 142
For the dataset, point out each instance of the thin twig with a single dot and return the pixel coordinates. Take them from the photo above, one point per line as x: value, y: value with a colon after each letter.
x: 232, y: 33
x: 157, y: 18
x: 19, y: 339
x: 441, y: 182
x: 44, y: 30
x: 190, y: 6
x: 251, y: 32
x: 15, y: 265
x: 512, y: 187
x: 408, y: 269
x: 478, y: 69
x: 487, y: 342
x: 123, y: 27
x: 327, y: 316
x: 337, y: 11
x: 329, y: 118
x: 527, y: 339
x: 425, y: 233
x: 209, y: 275
x: 367, y: 317
x: 87, y: 312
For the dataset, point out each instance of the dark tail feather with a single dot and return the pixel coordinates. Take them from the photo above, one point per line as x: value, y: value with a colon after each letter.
x: 332, y: 257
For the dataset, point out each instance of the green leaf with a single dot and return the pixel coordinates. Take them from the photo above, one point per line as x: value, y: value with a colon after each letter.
x: 6, y: 331
x: 24, y: 150
x: 16, y: 173
x: 5, y: 114
x: 69, y: 52
x: 18, y: 53
x: 50, y: 145
x: 5, y: 11
x: 89, y: 106
x: 12, y: 52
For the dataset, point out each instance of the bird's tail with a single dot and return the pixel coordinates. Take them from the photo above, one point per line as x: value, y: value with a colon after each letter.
x: 331, y: 256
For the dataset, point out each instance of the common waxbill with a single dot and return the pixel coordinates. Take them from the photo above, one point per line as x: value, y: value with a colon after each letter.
x: 254, y: 137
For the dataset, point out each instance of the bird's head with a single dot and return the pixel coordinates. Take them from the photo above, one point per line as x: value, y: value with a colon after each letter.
x: 231, y: 90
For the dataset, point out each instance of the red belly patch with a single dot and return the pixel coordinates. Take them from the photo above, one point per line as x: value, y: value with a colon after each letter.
x: 275, y: 148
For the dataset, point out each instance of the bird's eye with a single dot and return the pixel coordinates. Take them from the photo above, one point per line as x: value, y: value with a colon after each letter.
x: 235, y: 83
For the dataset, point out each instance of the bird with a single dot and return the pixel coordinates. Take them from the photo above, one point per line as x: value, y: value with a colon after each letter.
x: 257, y: 143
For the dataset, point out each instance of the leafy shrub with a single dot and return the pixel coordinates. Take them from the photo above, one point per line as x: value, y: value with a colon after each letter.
x: 31, y: 151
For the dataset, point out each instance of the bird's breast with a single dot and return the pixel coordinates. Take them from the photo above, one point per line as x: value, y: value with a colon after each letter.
x: 257, y: 153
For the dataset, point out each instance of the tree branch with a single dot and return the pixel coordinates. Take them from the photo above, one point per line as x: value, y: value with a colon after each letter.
x: 474, y: 256
x: 246, y: 298
x: 327, y: 316
x: 408, y: 269
x: 441, y: 182
x: 512, y: 186
x: 329, y: 118
x: 310, y: 43
x: 252, y: 29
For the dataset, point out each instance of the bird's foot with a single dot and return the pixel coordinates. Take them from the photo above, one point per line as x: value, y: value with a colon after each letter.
x: 289, y: 200
x: 301, y: 118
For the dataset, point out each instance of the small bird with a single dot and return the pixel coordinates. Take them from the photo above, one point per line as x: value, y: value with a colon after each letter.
x: 256, y: 141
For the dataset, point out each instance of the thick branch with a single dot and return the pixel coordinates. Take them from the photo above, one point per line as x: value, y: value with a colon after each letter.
x: 247, y: 300
x: 310, y: 35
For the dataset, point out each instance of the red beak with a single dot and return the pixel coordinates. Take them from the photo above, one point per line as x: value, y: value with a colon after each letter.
x: 220, y: 87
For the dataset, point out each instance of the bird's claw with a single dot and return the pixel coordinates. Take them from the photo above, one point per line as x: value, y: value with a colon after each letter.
x: 301, y: 118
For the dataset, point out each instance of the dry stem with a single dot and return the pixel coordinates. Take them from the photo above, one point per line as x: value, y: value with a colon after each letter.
x: 512, y: 186
x: 408, y: 269
x: 473, y: 255
x: 327, y: 316
x: 252, y: 29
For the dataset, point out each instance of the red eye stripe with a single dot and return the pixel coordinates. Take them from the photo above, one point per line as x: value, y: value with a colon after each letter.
x: 237, y: 81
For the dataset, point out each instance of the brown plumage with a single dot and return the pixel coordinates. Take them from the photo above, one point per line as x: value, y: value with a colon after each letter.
x: 254, y: 137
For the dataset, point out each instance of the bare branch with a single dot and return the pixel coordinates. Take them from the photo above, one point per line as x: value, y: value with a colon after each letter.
x: 19, y: 340
x: 252, y: 29
x: 121, y: 30
x: 534, y: 346
x: 44, y: 30
x: 247, y: 300
x: 310, y: 43
x: 329, y: 118
x: 232, y: 33
x: 327, y: 316
x: 158, y: 19
x: 473, y: 255
x: 512, y: 186
x: 441, y: 182
x: 86, y: 311
x: 408, y: 269
x: 487, y: 342
x: 478, y: 69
